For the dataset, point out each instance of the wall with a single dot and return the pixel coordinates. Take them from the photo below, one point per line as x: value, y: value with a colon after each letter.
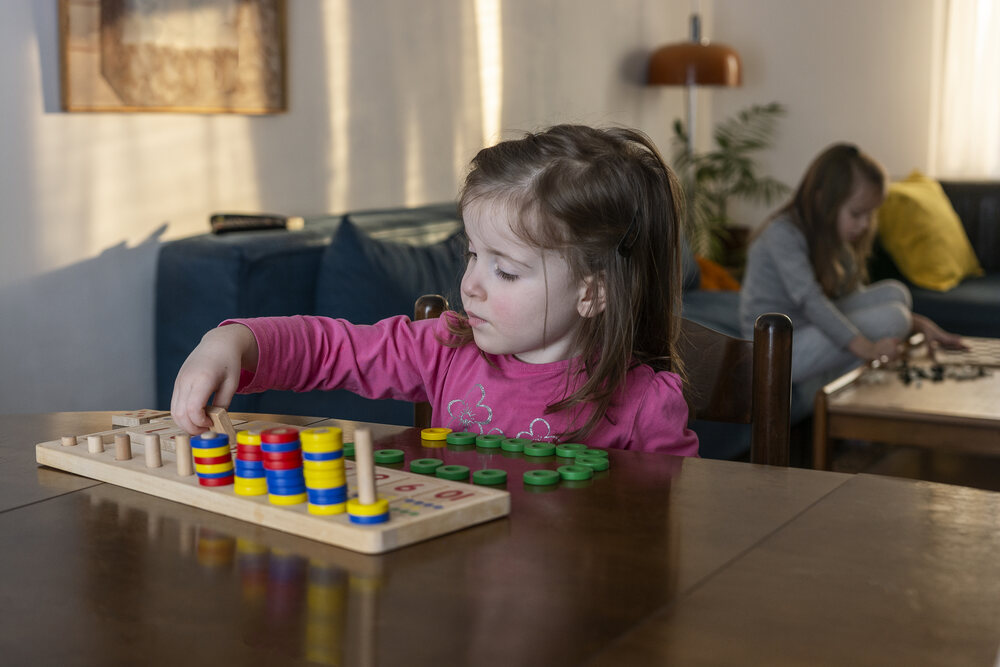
x: 389, y: 99
x: 853, y: 70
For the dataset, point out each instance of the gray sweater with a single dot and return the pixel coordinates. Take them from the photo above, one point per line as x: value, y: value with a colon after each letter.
x: 779, y: 278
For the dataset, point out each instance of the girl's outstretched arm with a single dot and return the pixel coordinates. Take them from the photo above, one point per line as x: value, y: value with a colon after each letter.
x: 213, y: 367
x: 935, y: 334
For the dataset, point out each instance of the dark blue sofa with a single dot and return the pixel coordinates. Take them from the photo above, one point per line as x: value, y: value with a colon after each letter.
x: 369, y: 265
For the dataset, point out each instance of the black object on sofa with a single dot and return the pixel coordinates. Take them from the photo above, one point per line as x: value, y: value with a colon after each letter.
x: 973, y: 307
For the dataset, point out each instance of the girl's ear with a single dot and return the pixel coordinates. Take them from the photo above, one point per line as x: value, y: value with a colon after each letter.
x: 592, y: 297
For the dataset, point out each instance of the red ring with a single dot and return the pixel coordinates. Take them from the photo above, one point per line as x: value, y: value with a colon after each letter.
x: 218, y: 481
x: 280, y: 435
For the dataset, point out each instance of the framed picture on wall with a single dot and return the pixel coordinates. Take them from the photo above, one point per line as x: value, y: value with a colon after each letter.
x: 192, y: 56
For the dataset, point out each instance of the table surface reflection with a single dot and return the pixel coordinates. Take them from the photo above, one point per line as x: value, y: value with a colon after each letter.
x: 659, y: 560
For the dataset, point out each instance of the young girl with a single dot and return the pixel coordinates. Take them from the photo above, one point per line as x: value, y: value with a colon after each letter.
x: 571, y: 310
x: 808, y: 262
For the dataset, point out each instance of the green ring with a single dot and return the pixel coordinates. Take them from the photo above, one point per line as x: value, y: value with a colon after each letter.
x: 453, y: 472
x: 461, y: 438
x: 388, y: 455
x: 348, y: 449
x: 541, y: 477
x: 425, y: 466
x: 539, y: 449
x: 489, y: 477
x: 569, y: 450
x: 489, y: 441
x: 575, y: 472
x: 596, y: 463
x: 595, y: 452
x: 514, y: 444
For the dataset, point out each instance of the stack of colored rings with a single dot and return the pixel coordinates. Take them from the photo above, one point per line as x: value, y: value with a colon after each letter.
x: 250, y: 480
x: 282, y: 454
x: 212, y: 460
x: 326, y: 481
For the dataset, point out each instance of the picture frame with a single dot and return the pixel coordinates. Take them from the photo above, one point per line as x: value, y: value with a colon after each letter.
x: 188, y: 56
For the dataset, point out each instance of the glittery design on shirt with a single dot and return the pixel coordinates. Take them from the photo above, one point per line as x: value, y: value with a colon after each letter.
x: 544, y: 430
x: 471, y: 412
x: 474, y: 415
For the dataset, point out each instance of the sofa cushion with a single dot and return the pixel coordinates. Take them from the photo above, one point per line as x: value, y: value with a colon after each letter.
x: 923, y: 234
x: 364, y: 279
x: 971, y: 309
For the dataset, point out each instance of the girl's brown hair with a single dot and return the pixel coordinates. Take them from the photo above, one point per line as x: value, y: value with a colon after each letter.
x: 607, y: 202
x: 827, y: 184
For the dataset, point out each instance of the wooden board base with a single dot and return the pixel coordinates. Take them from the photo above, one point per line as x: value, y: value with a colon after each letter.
x: 421, y: 507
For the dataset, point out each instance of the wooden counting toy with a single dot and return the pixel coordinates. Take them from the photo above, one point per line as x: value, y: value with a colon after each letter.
x: 385, y: 508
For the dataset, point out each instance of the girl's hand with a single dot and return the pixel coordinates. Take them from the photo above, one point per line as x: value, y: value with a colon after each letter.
x: 884, y: 349
x: 935, y: 335
x: 212, y: 368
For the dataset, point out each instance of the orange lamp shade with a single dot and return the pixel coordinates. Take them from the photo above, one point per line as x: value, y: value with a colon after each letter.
x: 695, y: 64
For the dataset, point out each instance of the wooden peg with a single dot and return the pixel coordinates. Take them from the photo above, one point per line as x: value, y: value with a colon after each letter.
x: 95, y: 444
x: 222, y: 423
x: 153, y: 458
x: 364, y: 461
x: 123, y: 447
x: 182, y: 450
x: 68, y: 441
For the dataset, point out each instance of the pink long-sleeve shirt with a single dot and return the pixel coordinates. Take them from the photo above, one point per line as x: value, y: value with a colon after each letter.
x: 468, y: 391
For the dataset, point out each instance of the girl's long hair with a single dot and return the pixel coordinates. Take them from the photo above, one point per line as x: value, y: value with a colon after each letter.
x: 607, y: 202
x: 827, y: 184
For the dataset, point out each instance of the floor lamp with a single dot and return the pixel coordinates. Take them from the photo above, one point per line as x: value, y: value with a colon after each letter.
x: 694, y: 63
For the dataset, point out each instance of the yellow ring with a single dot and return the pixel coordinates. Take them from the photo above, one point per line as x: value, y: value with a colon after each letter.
x: 200, y: 453
x: 247, y: 438
x: 335, y: 464
x: 322, y: 435
x: 242, y: 490
x: 326, y: 510
x: 380, y: 506
x: 213, y: 467
x: 287, y: 500
x: 322, y: 485
x: 434, y: 433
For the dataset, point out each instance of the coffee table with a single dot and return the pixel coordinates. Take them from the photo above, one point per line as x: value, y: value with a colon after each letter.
x: 960, y: 412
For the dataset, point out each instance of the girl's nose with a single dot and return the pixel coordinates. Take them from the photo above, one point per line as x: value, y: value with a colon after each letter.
x: 471, y: 285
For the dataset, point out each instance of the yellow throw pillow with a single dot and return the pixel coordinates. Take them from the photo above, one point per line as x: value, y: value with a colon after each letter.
x: 921, y: 231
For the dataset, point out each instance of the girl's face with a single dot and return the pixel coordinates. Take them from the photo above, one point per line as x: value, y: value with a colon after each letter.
x: 520, y: 300
x: 857, y: 212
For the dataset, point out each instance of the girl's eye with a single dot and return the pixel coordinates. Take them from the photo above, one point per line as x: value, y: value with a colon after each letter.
x: 503, y: 275
x: 469, y: 255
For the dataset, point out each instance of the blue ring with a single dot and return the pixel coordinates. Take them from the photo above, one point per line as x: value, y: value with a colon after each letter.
x: 286, y: 491
x: 337, y: 494
x: 323, y: 456
x: 215, y: 475
x: 279, y: 447
x: 199, y: 442
x: 378, y: 518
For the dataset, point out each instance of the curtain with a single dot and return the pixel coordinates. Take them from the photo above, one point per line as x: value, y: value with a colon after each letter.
x: 968, y: 139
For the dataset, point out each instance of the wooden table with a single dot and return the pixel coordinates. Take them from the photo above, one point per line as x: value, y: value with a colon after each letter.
x: 662, y: 560
x: 875, y: 404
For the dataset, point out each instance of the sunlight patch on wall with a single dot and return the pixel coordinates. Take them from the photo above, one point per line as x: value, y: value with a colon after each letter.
x: 489, y: 32
x: 413, y: 151
x: 338, y: 29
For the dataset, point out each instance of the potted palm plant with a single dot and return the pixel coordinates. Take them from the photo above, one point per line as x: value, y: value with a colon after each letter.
x: 729, y: 170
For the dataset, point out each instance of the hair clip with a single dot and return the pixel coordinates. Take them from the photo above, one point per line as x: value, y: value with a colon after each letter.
x: 625, y: 244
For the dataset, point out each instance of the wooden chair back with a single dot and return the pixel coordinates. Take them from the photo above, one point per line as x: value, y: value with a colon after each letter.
x: 426, y: 307
x: 728, y: 379
x: 747, y: 382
